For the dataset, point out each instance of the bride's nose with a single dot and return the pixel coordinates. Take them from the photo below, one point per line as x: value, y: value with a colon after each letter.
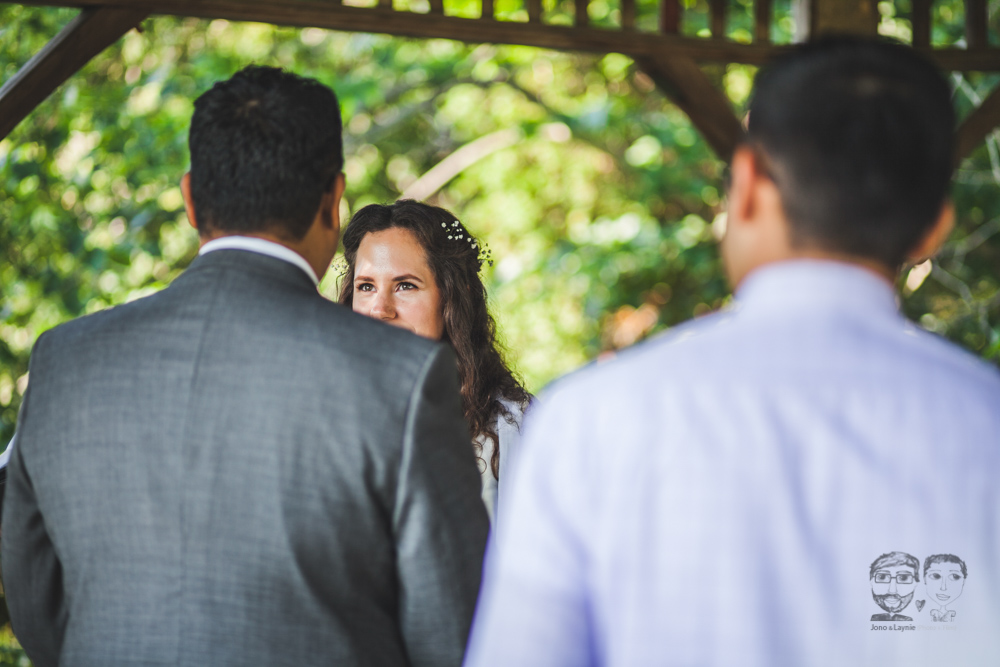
x: 382, y: 308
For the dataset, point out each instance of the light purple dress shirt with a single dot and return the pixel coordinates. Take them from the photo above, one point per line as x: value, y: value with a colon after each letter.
x: 718, y: 496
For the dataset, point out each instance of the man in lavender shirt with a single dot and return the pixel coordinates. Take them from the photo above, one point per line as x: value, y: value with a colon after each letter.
x: 717, y: 496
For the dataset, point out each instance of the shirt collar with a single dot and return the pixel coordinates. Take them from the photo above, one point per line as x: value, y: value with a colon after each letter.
x: 261, y: 247
x: 804, y: 283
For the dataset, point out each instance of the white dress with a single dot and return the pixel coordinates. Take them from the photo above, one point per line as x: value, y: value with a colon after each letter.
x: 510, y: 440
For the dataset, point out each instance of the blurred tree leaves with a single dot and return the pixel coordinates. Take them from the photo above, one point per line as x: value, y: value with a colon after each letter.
x: 598, y: 198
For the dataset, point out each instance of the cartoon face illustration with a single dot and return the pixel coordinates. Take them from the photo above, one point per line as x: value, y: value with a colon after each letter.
x: 894, y: 578
x: 944, y: 577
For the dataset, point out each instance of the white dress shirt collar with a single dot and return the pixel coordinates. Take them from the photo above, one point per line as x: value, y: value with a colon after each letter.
x: 801, y: 283
x: 261, y: 247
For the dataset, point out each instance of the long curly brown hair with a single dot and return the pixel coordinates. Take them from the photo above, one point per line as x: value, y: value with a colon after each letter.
x: 455, y: 257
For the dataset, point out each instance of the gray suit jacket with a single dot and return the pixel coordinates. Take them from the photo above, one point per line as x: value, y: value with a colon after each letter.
x: 235, y: 471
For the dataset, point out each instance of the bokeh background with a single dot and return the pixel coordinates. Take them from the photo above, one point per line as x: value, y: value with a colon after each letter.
x: 600, y: 202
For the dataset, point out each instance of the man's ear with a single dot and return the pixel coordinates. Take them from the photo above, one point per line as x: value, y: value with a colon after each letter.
x: 328, y: 214
x: 743, y: 172
x: 188, y: 201
x: 337, y: 191
x: 935, y: 237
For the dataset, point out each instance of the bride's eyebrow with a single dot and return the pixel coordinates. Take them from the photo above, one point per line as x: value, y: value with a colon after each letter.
x: 407, y: 276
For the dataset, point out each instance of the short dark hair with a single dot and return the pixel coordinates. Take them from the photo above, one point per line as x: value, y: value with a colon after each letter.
x: 858, y: 136
x: 945, y: 558
x: 895, y: 559
x: 455, y: 257
x: 265, y: 146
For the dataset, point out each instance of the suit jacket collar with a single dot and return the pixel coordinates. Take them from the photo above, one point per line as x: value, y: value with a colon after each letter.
x: 263, y: 247
x: 244, y: 260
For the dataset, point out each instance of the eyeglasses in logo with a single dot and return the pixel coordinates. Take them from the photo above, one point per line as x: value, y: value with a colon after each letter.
x: 902, y: 578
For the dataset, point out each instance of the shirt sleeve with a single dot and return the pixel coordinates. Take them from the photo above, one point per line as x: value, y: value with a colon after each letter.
x: 534, y: 606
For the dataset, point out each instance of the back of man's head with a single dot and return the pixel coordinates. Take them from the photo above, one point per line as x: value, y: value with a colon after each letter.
x: 265, y: 146
x: 858, y: 137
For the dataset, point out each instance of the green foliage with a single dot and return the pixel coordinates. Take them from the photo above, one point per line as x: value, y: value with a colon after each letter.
x: 599, y: 200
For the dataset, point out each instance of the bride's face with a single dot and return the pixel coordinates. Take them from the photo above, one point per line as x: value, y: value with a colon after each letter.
x: 394, y: 283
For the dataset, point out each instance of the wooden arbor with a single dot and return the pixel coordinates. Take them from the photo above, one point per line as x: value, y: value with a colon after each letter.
x: 667, y: 56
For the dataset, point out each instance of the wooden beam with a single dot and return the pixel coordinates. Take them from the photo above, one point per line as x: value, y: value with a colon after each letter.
x: 707, y: 107
x: 670, y: 17
x: 335, y: 16
x: 977, y: 126
x: 762, y: 21
x: 89, y: 33
x: 963, y: 60
x: 921, y: 22
x: 975, y: 24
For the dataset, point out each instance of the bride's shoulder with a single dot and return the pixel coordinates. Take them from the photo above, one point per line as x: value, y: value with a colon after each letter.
x: 512, y: 414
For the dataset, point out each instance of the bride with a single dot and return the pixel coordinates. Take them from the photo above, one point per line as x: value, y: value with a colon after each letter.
x: 415, y: 266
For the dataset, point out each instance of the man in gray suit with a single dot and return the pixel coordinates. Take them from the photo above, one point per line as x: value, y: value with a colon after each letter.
x: 236, y: 471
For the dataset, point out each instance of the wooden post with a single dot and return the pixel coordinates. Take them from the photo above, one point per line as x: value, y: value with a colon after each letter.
x: 975, y: 24
x: 385, y: 4
x: 762, y: 21
x: 92, y: 31
x: 854, y: 17
x: 437, y: 6
x: 670, y: 16
x: 628, y: 14
x: 921, y: 22
x: 535, y: 11
x: 582, y: 18
x: 718, y: 21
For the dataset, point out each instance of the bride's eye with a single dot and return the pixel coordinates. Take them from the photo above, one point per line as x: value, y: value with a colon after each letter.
x: 406, y: 286
x: 364, y: 287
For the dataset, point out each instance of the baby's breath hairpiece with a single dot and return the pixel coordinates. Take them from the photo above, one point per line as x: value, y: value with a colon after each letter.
x: 457, y: 233
x: 340, y: 265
